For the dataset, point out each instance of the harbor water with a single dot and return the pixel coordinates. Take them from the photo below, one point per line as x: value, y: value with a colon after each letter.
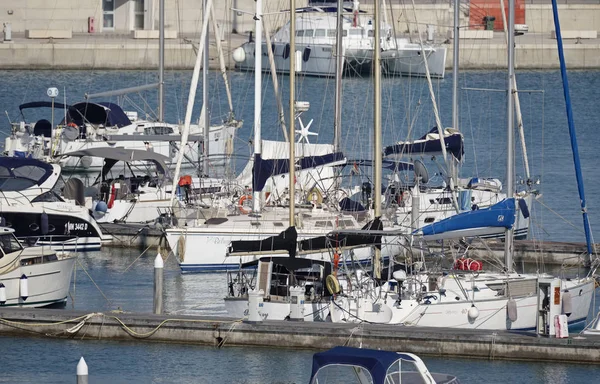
x: 116, y: 279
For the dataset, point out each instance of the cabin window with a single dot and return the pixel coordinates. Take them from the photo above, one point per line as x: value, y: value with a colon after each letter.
x: 429, y: 220
x: 348, y: 223
x: 309, y: 33
x: 356, y: 32
x: 323, y: 224
x: 47, y: 197
x: 4, y: 172
x: 443, y: 200
x: 158, y: 131
x: 320, y: 32
x: 331, y: 33
x: 300, y: 33
x: 30, y: 172
x: 9, y: 185
x: 277, y: 224
x: 9, y: 244
x: 371, y: 33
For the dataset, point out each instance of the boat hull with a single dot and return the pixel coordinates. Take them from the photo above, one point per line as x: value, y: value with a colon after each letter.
x: 277, y: 310
x: 48, y: 283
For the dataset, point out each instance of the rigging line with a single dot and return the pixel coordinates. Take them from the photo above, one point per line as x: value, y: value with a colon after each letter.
x: 94, y: 282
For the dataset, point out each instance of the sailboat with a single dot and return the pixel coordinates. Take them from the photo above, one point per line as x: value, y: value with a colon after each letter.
x: 465, y: 296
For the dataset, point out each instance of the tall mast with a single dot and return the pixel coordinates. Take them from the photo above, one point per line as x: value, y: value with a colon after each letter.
x: 455, y: 57
x: 339, y: 67
x: 574, y: 146
x: 292, y: 134
x: 191, y: 99
x: 377, y: 155
x: 510, y: 140
x: 257, y: 96
x: 161, y: 61
x: 205, y: 110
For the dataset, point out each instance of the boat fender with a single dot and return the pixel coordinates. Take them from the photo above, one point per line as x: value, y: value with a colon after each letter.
x: 2, y: 222
x: 239, y: 55
x: 333, y: 285
x: 315, y: 196
x: 306, y: 54
x: 181, y: 249
x: 243, y: 209
x: 101, y: 207
x: 567, y: 303
x: 44, y: 223
x: 2, y: 294
x: 511, y: 309
x: 23, y: 286
x: 472, y: 313
x: 286, y: 52
x: 524, y: 208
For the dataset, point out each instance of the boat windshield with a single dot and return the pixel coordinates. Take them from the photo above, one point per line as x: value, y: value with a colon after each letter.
x: 9, y: 243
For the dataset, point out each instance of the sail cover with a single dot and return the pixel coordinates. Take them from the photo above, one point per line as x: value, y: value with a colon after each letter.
x: 473, y: 223
x: 340, y: 239
x: 102, y: 113
x: 429, y: 145
x: 285, y: 241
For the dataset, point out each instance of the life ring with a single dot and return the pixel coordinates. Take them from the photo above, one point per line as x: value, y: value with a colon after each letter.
x: 315, y: 196
x: 71, y: 124
x: 332, y: 284
x: 243, y: 210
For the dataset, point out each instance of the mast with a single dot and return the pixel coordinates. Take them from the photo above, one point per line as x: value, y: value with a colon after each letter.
x: 191, y: 99
x: 257, y: 96
x: 377, y: 154
x: 519, y: 116
x: 161, y: 61
x: 510, y: 140
x: 455, y: 57
x: 292, y: 134
x: 339, y: 67
x: 574, y: 146
x: 205, y: 110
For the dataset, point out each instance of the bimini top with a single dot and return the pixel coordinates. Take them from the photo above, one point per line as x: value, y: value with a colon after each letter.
x: 113, y: 155
x: 103, y: 113
x: 374, y: 361
x: 19, y: 173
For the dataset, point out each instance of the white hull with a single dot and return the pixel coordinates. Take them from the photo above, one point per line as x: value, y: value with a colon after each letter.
x: 437, y: 310
x: 277, y: 310
x: 408, y: 60
x: 321, y: 60
x: 48, y: 283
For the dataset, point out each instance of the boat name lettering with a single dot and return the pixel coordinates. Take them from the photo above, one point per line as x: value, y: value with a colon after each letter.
x: 217, y: 240
x: 76, y: 226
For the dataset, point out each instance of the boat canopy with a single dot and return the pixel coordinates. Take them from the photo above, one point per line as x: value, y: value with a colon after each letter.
x: 376, y: 362
x: 473, y: 223
x: 429, y: 144
x: 113, y: 155
x: 102, y: 113
x: 345, y: 238
x: 285, y: 241
x: 42, y: 104
x: 19, y: 173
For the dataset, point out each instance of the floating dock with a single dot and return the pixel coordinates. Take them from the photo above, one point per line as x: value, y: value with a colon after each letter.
x: 223, y: 332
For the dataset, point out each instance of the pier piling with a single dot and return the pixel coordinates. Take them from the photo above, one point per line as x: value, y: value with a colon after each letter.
x: 158, y: 284
x: 82, y: 371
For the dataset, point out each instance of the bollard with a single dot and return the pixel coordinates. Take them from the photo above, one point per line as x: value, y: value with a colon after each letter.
x: 255, y: 303
x: 158, y: 284
x: 296, y: 303
x: 82, y: 372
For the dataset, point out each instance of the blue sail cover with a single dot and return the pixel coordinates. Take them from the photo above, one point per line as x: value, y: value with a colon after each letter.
x: 107, y: 114
x: 265, y: 168
x: 375, y: 361
x: 499, y: 215
x: 429, y: 145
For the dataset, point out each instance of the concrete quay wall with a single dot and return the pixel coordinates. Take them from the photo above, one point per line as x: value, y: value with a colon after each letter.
x: 222, y: 332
